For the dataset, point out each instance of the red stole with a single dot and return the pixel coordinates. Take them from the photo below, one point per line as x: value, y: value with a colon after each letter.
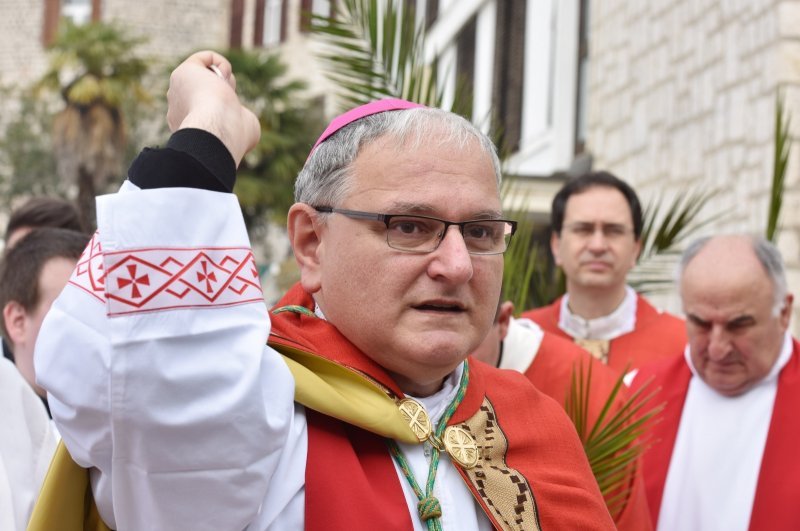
x: 775, y: 504
x: 540, y: 474
x: 656, y: 335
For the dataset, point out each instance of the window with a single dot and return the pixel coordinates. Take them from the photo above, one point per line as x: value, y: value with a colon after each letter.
x: 79, y: 11
x: 583, y: 78
x: 509, y: 71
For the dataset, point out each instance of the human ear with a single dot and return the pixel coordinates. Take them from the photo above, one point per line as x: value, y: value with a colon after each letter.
x: 555, y: 243
x: 306, y: 239
x: 14, y: 316
x: 504, y: 318
x: 786, y: 311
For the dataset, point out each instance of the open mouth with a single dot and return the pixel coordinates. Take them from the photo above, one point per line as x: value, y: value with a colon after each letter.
x: 440, y: 307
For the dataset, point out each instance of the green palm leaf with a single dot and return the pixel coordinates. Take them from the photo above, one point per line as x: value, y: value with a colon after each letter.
x: 783, y: 144
x: 617, y: 438
x: 374, y: 49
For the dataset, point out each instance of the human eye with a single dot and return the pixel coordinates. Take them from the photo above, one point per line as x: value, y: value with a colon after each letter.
x: 582, y: 229
x: 614, y: 230
x: 740, y: 324
x: 483, y: 230
x: 410, y: 226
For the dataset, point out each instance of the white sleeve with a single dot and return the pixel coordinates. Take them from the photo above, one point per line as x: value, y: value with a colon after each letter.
x: 155, y: 364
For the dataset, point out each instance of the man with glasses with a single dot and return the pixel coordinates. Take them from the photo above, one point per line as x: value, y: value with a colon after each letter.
x: 597, y: 227
x: 362, y: 412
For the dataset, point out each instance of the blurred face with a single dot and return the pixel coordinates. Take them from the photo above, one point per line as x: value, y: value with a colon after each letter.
x: 417, y: 315
x: 596, y: 247
x: 734, y: 334
x: 53, y: 278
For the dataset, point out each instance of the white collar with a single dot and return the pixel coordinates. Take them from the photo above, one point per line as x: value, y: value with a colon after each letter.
x: 771, y: 377
x: 621, y: 321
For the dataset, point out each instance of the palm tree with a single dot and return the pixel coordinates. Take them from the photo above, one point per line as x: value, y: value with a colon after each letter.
x: 94, y: 69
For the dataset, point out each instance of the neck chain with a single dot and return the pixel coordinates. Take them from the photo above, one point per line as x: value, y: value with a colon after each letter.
x: 429, y: 508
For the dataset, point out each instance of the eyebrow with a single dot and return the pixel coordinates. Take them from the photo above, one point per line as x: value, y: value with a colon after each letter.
x: 423, y: 209
x: 742, y: 320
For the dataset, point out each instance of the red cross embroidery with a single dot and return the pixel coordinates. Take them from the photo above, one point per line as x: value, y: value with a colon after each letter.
x: 206, y: 276
x: 133, y: 281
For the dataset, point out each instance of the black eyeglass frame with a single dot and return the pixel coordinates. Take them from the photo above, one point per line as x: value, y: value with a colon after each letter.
x: 387, y: 218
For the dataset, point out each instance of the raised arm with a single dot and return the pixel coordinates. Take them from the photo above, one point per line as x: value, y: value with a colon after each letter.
x: 153, y: 356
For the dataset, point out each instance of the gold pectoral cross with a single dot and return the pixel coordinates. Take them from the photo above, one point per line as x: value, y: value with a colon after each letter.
x: 598, y: 348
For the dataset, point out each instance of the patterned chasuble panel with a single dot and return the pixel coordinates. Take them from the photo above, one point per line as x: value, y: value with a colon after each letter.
x: 503, y: 489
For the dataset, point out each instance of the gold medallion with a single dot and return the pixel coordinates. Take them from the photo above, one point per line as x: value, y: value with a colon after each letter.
x: 414, y: 413
x: 460, y: 446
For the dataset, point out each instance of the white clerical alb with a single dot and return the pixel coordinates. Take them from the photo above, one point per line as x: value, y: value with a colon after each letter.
x: 714, y: 467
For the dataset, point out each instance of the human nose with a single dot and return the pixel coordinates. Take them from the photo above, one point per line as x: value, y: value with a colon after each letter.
x: 597, y: 240
x: 452, y: 259
x: 718, y: 344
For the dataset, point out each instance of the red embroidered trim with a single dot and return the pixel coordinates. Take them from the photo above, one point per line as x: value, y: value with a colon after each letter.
x: 145, y: 280
x: 88, y: 274
x: 159, y: 279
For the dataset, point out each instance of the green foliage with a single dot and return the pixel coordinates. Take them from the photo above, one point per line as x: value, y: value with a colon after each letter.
x: 289, y: 126
x: 617, y: 438
x: 662, y: 235
x: 95, y: 70
x: 529, y: 278
x: 375, y: 49
x: 27, y: 165
x: 783, y: 145
x: 95, y: 62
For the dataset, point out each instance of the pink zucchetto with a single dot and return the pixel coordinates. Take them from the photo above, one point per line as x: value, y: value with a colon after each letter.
x: 368, y: 109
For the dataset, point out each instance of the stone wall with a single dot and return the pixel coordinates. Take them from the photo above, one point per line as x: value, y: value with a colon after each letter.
x: 682, y: 96
x: 21, y: 23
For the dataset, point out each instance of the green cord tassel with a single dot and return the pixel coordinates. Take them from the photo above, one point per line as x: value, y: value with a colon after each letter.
x: 429, y: 508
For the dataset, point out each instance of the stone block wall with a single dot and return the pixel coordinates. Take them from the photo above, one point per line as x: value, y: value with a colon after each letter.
x: 682, y: 95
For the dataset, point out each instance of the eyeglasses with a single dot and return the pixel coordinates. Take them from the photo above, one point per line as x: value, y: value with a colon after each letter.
x: 610, y: 231
x: 423, y: 234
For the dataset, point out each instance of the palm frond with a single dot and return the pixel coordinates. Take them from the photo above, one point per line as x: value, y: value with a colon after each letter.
x: 783, y: 144
x: 374, y: 49
x: 529, y: 278
x: 662, y: 235
x: 618, y: 436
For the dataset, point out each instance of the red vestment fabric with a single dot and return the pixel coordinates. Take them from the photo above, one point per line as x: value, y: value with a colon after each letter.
x: 656, y: 335
x: 775, y: 505
x: 551, y: 373
x: 542, y: 444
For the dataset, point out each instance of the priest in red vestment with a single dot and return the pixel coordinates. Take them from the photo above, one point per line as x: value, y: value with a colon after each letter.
x: 551, y: 362
x: 350, y: 405
x: 725, y: 452
x: 597, y: 227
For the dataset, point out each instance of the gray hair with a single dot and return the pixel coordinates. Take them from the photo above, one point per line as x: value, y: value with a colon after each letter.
x: 326, y: 178
x: 766, y: 253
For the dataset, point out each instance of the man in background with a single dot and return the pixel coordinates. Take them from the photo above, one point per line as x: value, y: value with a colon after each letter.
x: 724, y: 453
x: 597, y: 228
x: 38, y: 212
x: 32, y: 274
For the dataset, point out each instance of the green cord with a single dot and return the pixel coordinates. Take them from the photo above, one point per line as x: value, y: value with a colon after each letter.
x: 429, y: 508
